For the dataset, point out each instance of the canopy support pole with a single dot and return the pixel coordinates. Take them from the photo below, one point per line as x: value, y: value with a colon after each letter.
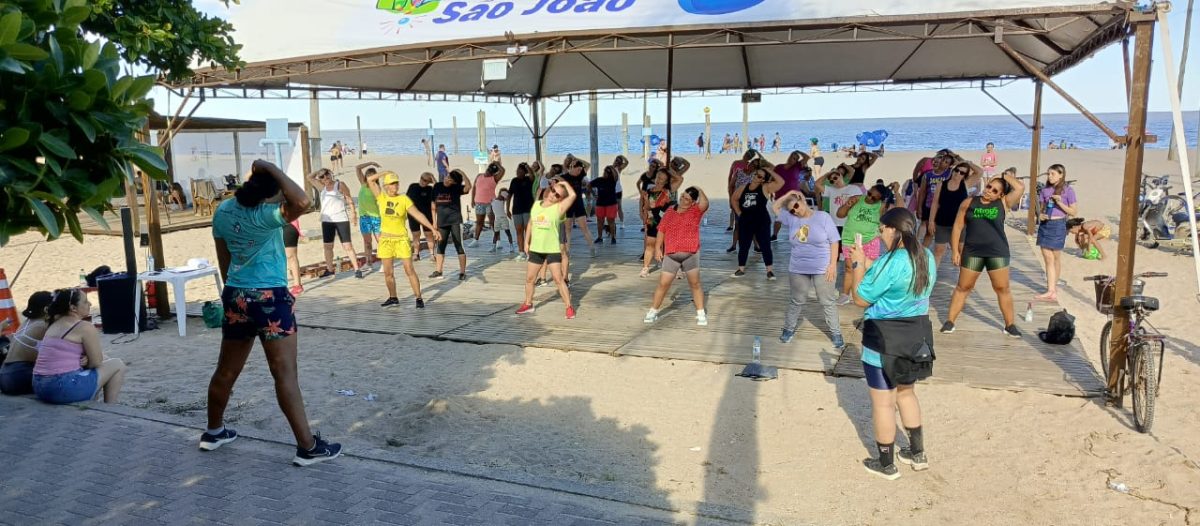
x: 670, y: 88
x: 314, y: 120
x: 1033, y: 70
x: 625, y: 135
x: 536, y: 130
x: 1001, y: 104
x: 594, y: 134
x: 1130, y: 189
x: 237, y: 154
x: 1035, y: 158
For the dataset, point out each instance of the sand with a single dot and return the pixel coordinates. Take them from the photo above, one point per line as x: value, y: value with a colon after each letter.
x: 678, y: 432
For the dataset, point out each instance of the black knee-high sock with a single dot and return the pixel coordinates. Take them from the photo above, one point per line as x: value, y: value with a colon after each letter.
x: 916, y: 439
x: 887, y: 453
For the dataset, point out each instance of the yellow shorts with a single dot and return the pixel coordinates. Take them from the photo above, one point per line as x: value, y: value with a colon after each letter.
x: 395, y: 248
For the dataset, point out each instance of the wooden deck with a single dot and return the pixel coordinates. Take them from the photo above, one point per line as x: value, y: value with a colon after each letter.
x: 173, y: 222
x: 611, y: 301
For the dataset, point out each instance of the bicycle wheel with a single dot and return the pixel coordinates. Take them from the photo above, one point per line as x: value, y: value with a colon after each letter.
x: 1105, y: 333
x: 1144, y: 379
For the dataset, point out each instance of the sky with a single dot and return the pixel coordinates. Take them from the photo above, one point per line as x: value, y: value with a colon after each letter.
x: 1097, y: 83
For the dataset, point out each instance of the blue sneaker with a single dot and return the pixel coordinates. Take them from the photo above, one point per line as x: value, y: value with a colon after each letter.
x: 320, y: 452
x: 838, y: 341
x: 786, y: 336
x: 211, y: 442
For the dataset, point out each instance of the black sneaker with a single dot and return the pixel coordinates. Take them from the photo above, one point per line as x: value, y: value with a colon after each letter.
x: 770, y: 276
x: 612, y: 241
x: 462, y: 276
x: 420, y: 303
x: 358, y: 274
x: 325, y: 274
x: 739, y: 273
x: 391, y: 302
x: 888, y: 472
x: 1012, y: 331
x: 774, y: 238
x: 600, y: 239
x: 730, y: 249
x: 436, y: 275
x: 212, y: 442
x: 948, y: 327
x: 917, y: 461
x: 539, y: 283
x: 320, y: 452
x: 567, y: 282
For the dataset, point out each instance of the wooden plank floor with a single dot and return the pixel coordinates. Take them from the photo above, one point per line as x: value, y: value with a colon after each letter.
x: 611, y: 301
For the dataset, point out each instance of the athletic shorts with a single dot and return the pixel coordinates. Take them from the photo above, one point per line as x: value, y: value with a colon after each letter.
x: 395, y: 248
x: 819, y: 161
x: 291, y: 236
x: 979, y: 263
x: 267, y: 313
x: 925, y: 211
x: 67, y: 388
x: 1052, y: 234
x: 501, y: 223
x: 876, y: 378
x: 676, y: 261
x: 942, y: 234
x: 370, y: 224
x: 414, y: 227
x: 872, y: 249
x: 341, y: 228
x: 521, y: 219
x: 537, y: 258
x: 482, y: 209
x: 577, y: 210
x: 620, y: 195
x: 606, y: 212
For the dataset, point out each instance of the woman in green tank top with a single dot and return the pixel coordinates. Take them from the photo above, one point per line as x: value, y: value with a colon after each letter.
x: 543, y: 244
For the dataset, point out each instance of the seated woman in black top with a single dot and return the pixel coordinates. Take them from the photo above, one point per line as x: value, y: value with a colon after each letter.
x: 979, y: 243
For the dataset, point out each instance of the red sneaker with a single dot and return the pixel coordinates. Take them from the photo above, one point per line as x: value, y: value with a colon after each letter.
x: 525, y: 309
x: 570, y: 312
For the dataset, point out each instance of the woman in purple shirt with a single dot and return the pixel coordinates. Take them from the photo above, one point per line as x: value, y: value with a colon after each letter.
x: 1056, y: 203
x: 813, y: 264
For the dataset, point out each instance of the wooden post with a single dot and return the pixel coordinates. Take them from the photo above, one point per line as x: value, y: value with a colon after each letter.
x: 358, y: 121
x: 745, y: 127
x: 1035, y: 161
x: 707, y: 133
x: 306, y: 153
x: 1131, y: 188
x: 594, y: 133
x: 454, y: 132
x: 645, y: 126
x: 314, y: 118
x: 538, y: 125
x: 625, y: 134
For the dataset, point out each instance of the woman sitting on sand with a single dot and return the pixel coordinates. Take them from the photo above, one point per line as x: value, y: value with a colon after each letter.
x: 16, y: 376
x: 1088, y: 234
x: 70, y: 364
x: 677, y: 248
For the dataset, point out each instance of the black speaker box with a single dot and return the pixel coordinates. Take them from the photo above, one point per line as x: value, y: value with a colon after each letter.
x: 116, y: 303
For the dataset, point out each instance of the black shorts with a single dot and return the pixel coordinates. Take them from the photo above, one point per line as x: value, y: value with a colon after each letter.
x: 414, y: 228
x: 291, y: 236
x: 619, y: 195
x: 925, y: 211
x: 577, y: 210
x: 341, y: 228
x: 537, y: 258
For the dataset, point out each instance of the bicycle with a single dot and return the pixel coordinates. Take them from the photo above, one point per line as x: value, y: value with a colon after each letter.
x: 1141, y: 374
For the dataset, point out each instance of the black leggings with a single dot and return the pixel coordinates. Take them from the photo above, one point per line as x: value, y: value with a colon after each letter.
x: 750, y: 230
x: 452, y: 232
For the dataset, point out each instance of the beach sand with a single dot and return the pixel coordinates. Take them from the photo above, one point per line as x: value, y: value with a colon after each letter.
x: 679, y: 432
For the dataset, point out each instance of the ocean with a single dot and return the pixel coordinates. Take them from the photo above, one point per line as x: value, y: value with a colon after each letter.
x: 909, y: 133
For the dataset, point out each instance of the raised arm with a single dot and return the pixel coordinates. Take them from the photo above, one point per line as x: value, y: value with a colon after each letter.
x: 567, y: 201
x: 871, y: 158
x: 358, y: 170
x: 785, y: 198
x: 844, y: 210
x: 681, y: 165
x: 467, y: 187
x: 1016, y: 190
x: 296, y: 200
x: 703, y: 201
x: 373, y: 183
x: 774, y: 181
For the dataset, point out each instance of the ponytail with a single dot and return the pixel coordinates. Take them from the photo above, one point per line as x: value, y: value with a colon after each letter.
x: 905, y: 223
x: 61, y: 304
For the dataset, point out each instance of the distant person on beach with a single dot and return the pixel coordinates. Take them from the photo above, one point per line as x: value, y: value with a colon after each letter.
x: 335, y: 156
x: 520, y: 204
x: 979, y: 242
x: 395, y: 243
x: 443, y: 162
x: 426, y: 147
x: 677, y: 249
x: 751, y: 203
x: 1053, y: 145
x: 988, y: 162
x: 1062, y: 144
x: 483, y: 192
x: 364, y: 148
x: 659, y: 188
x: 421, y: 194
x: 368, y: 210
x: 70, y: 365
x: 447, y: 216
x: 1088, y: 235
x: 1056, y: 203
x: 812, y: 265
x: 700, y: 144
x: 337, y: 213
x: 543, y: 243
x: 793, y: 172
x: 16, y: 375
x: 727, y: 143
x: 762, y: 142
x: 494, y: 155
x: 739, y: 176
x: 814, y: 152
x: 947, y: 200
x: 897, y: 343
x: 257, y: 304
x: 737, y: 143
x: 777, y: 143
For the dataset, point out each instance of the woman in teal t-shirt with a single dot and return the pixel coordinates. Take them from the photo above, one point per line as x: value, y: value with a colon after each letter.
x: 896, y: 288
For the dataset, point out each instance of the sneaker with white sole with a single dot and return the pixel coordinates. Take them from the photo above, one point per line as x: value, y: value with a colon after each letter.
x: 701, y: 318
x: 212, y: 442
x: 917, y: 461
x: 874, y: 467
x: 320, y: 452
x: 845, y: 299
x: 651, y: 316
x: 948, y: 327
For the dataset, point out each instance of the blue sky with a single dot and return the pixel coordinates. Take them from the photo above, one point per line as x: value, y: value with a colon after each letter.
x: 1097, y: 83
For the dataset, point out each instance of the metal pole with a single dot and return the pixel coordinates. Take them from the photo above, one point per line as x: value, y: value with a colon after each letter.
x: 538, y: 124
x: 746, y: 125
x: 707, y: 134
x: 1177, y: 138
x: 314, y: 129
x: 670, y: 86
x: 1131, y: 188
x: 237, y: 154
x: 625, y: 134
x: 1035, y: 154
x: 454, y: 131
x: 1187, y: 35
x: 481, y: 126
x: 358, y: 120
x: 645, y: 126
x: 594, y: 133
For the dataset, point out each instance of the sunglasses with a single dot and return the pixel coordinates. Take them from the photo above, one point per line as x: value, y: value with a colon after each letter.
x: 796, y: 206
x: 995, y: 189
x: 962, y: 172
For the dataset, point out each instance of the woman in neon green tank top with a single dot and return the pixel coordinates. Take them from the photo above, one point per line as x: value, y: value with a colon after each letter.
x: 542, y: 242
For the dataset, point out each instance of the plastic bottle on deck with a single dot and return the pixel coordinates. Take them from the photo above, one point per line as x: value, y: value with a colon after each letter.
x: 757, y: 349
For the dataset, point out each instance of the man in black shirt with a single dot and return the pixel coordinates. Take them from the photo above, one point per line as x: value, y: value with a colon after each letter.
x: 447, y: 214
x: 520, y: 203
x: 421, y: 194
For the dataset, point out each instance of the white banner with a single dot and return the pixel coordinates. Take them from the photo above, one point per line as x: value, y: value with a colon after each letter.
x: 279, y: 29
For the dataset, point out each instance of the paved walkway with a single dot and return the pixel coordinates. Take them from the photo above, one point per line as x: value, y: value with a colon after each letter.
x: 68, y: 465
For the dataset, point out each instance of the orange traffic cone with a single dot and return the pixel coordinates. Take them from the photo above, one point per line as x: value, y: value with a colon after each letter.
x: 8, y: 308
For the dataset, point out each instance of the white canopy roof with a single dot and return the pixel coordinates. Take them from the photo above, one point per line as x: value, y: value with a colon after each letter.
x: 557, y: 47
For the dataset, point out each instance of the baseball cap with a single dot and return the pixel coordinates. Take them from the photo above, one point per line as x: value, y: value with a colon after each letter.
x: 390, y: 178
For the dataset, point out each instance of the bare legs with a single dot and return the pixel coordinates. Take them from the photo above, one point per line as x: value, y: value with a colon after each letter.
x: 883, y: 411
x: 348, y: 248
x: 966, y: 283
x: 111, y: 377
x: 664, y: 285
x: 369, y: 242
x: 293, y: 265
x: 389, y: 277
x: 1053, y: 259
x: 281, y: 358
x: 556, y: 270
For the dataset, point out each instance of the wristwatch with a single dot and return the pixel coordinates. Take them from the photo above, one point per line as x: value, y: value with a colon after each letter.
x: 854, y: 265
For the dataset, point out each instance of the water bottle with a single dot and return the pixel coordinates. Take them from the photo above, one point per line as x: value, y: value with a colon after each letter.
x: 757, y: 349
x: 82, y: 278
x: 1029, y: 313
x: 150, y: 263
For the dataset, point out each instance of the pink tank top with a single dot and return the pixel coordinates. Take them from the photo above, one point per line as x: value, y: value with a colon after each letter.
x: 58, y: 355
x: 485, y: 190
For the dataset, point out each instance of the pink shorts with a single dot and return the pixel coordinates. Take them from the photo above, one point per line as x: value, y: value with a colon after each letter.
x: 872, y: 249
x: 606, y: 212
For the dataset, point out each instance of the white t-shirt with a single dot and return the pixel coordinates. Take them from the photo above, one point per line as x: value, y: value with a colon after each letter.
x: 835, y: 197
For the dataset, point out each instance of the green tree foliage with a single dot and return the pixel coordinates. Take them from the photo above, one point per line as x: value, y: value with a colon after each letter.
x: 69, y: 109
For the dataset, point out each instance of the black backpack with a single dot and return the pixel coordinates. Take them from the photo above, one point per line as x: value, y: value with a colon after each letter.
x: 1061, y: 329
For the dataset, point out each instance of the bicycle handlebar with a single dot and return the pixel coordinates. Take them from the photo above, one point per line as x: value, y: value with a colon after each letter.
x: 1099, y: 277
x: 1153, y: 275
x: 1104, y: 277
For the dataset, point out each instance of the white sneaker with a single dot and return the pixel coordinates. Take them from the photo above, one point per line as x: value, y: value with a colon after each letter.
x: 472, y: 242
x: 651, y: 316
x: 844, y: 300
x: 701, y: 318
x: 493, y: 249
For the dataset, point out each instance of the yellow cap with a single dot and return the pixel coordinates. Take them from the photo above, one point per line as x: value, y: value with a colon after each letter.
x: 390, y: 178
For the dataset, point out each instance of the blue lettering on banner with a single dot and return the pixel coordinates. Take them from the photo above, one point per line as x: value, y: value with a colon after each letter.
x: 501, y: 9
x: 465, y: 12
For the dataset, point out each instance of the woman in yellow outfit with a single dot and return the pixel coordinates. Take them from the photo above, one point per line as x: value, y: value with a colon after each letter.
x: 542, y: 242
x: 394, y: 242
